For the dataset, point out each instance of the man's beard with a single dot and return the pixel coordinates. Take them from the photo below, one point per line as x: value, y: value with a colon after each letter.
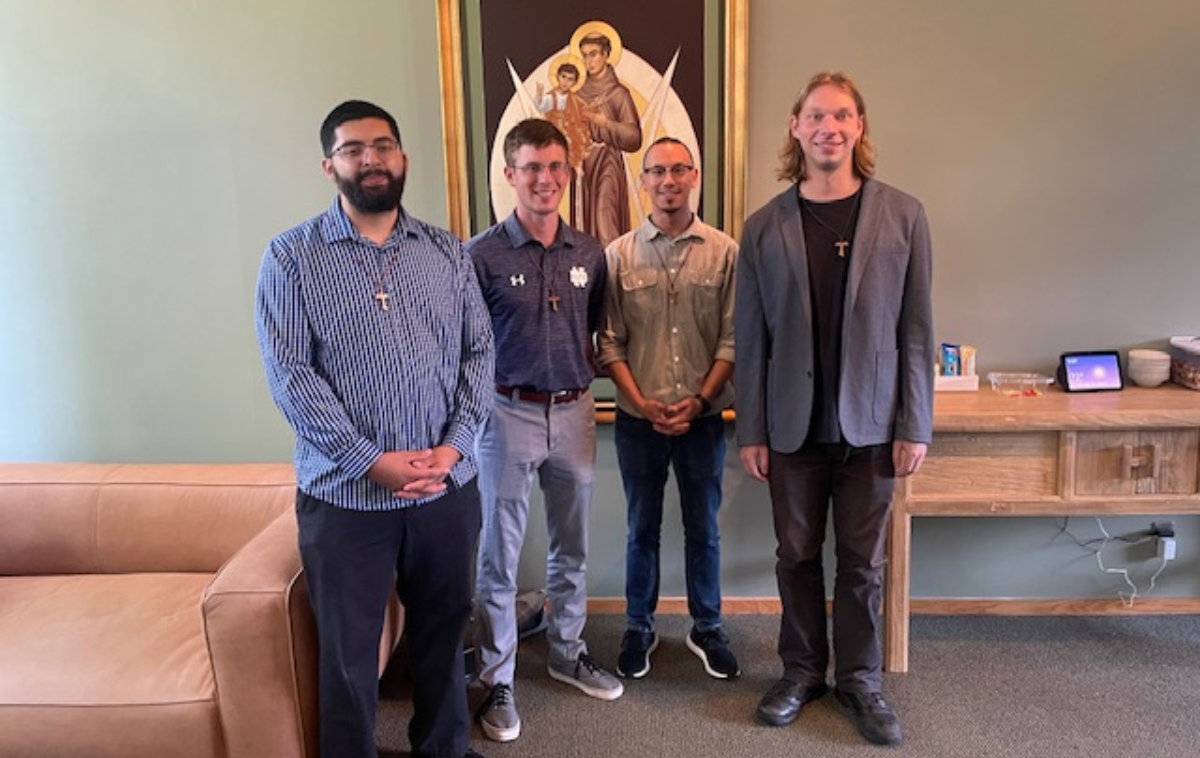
x: 372, y: 199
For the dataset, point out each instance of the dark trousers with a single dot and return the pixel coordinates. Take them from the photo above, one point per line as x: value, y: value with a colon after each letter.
x: 349, y: 560
x: 698, y: 458
x: 856, y: 484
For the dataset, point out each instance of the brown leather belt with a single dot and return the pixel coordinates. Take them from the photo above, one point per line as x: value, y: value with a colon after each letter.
x: 541, y: 398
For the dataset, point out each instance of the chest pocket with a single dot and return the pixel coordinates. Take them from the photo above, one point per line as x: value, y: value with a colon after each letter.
x: 641, y: 294
x: 706, y: 291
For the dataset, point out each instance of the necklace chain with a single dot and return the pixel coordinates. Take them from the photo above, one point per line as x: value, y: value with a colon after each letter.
x: 843, y: 237
x: 381, y: 295
x: 672, y: 293
x: 540, y: 265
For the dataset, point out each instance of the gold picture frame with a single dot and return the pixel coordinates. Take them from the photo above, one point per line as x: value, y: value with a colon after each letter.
x: 465, y: 115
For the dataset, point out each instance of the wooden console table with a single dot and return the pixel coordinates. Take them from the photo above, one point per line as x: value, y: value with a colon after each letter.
x: 1136, y: 451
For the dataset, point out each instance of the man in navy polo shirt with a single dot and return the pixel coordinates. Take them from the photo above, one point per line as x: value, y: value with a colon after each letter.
x: 543, y: 283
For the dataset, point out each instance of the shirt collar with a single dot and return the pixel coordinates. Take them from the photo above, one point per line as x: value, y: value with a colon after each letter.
x: 336, y: 225
x: 648, y: 231
x: 518, y: 237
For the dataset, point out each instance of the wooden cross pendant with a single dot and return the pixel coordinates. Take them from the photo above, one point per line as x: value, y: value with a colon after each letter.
x: 553, y: 300
x: 841, y: 246
x: 382, y: 297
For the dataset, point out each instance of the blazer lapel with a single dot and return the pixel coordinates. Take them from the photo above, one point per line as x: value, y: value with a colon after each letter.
x: 791, y: 230
x: 865, y: 240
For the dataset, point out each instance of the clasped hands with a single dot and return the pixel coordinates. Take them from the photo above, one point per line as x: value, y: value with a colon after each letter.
x: 414, y: 474
x: 672, y: 420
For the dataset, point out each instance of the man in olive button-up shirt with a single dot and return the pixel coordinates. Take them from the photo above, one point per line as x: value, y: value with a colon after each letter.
x: 668, y: 347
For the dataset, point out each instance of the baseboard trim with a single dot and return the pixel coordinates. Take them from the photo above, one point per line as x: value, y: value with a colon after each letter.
x: 733, y: 606
x: 730, y: 606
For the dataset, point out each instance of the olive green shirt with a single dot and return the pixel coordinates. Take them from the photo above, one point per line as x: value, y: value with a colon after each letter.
x: 670, y: 310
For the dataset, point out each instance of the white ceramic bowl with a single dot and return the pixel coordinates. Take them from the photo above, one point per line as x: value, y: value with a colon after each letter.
x: 1149, y: 357
x: 1149, y: 377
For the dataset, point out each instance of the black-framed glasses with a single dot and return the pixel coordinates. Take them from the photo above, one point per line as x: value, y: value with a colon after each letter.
x: 558, y: 168
x: 678, y: 171
x: 353, y: 151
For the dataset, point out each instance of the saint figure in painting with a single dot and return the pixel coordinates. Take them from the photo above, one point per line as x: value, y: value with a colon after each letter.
x: 615, y: 129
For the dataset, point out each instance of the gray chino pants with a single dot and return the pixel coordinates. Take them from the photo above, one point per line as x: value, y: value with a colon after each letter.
x: 557, y: 445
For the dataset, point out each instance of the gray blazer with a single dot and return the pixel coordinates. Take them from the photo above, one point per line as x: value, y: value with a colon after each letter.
x: 886, y: 389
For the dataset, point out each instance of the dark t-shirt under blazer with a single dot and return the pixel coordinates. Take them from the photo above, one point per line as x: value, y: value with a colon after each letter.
x: 887, y: 354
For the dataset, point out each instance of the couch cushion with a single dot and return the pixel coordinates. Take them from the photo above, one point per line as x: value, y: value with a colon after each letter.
x: 103, y: 639
x: 107, y: 664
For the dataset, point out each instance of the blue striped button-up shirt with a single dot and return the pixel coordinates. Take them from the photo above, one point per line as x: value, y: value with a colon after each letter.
x: 355, y: 380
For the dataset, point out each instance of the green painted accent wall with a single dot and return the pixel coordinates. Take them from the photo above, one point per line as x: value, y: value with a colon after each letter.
x: 152, y: 150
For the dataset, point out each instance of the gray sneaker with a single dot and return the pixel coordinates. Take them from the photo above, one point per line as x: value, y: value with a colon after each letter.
x: 587, y: 675
x: 498, y: 715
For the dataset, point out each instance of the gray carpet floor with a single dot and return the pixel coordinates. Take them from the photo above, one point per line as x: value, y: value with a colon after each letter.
x: 1019, y: 687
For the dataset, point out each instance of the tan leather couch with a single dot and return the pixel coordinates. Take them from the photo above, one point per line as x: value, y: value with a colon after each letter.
x: 155, y: 610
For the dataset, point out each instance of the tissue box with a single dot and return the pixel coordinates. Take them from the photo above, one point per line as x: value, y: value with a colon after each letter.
x: 956, y: 383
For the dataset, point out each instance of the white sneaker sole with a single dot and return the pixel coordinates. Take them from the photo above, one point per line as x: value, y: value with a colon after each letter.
x: 644, y: 671
x: 496, y: 734
x: 595, y: 692
x: 699, y: 651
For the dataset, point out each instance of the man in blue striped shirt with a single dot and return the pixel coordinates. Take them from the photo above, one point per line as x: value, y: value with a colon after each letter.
x: 378, y: 350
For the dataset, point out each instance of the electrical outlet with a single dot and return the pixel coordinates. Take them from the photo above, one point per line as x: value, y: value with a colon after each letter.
x: 1166, y: 548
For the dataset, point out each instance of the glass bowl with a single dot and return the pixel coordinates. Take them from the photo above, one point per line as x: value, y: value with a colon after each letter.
x: 1019, y: 384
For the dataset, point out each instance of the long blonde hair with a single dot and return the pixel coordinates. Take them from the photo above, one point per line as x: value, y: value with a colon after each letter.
x: 792, y: 156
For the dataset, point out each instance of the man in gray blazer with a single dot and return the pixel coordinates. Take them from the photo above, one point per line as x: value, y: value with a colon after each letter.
x: 834, y: 390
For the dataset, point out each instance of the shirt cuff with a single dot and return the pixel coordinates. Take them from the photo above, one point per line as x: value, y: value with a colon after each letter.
x: 359, y: 459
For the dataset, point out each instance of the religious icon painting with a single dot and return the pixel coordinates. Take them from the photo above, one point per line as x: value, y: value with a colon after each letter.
x: 613, y: 77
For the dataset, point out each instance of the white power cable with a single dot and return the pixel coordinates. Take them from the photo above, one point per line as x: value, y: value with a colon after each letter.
x: 1125, y: 598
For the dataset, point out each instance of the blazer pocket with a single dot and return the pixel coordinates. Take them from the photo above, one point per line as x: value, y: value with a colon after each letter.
x: 883, y: 410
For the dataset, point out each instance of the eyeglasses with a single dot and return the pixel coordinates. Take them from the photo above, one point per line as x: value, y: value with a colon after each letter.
x: 678, y: 171
x: 558, y: 168
x: 353, y: 151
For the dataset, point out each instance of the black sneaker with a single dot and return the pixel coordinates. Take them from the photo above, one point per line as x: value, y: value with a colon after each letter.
x: 636, y: 647
x: 874, y: 717
x: 712, y: 647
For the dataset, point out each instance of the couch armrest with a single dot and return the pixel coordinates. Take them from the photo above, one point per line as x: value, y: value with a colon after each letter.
x: 262, y: 639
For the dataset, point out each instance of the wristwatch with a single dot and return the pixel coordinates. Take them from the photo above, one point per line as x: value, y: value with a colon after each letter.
x: 705, y: 406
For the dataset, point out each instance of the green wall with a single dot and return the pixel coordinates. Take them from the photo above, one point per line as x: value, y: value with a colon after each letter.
x: 152, y: 149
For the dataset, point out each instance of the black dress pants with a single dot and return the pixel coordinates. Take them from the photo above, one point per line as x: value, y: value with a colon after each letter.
x: 856, y: 485
x: 349, y: 559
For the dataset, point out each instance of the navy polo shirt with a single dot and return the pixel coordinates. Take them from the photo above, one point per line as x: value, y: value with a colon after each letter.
x: 537, y: 347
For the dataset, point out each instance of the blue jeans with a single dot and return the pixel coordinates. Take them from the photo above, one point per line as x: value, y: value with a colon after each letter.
x: 698, y: 458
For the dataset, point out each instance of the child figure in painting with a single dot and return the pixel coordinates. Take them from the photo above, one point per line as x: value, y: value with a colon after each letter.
x: 563, y: 108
